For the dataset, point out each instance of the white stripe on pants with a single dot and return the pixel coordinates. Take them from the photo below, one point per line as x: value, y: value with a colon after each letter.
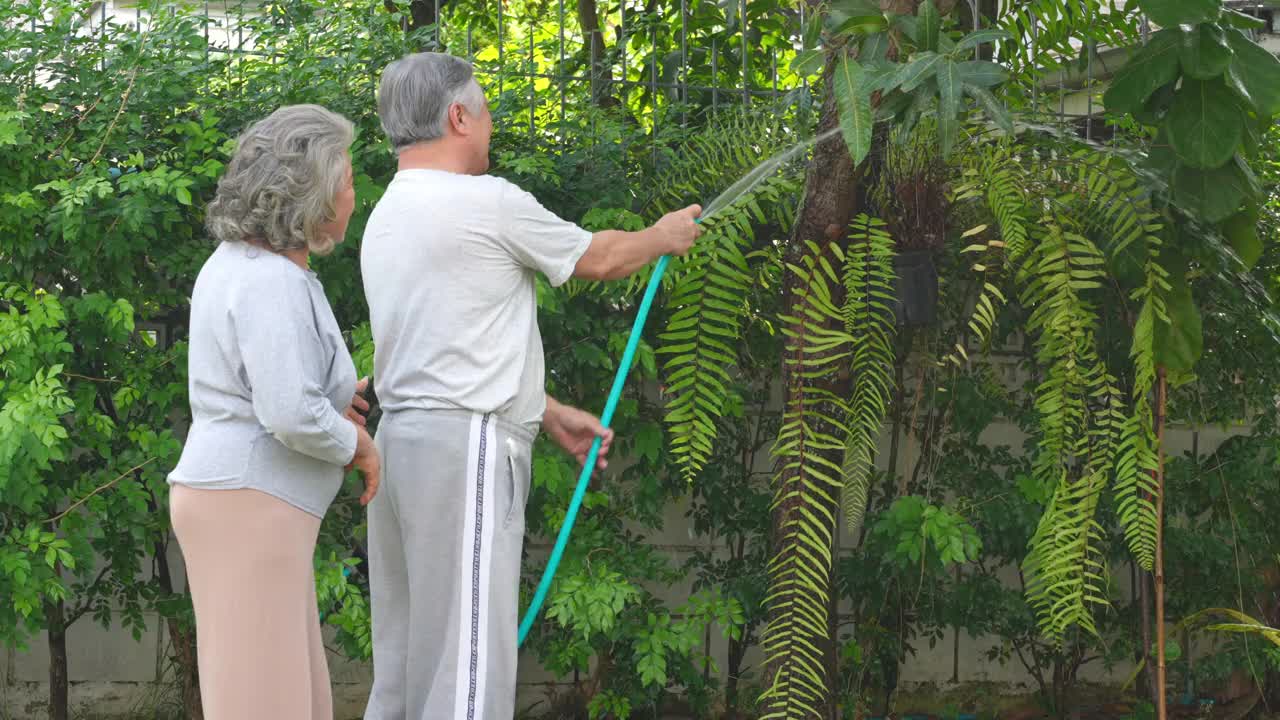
x: 477, y: 557
x: 446, y: 532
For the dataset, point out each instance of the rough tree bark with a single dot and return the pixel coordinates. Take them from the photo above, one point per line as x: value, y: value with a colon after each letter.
x: 601, y: 73
x: 737, y: 651
x: 422, y: 13
x: 55, y: 616
x: 183, y: 637
x: 1144, y: 653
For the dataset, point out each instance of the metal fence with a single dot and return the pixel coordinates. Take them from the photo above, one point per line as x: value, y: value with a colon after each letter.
x: 704, y: 54
x: 514, y: 54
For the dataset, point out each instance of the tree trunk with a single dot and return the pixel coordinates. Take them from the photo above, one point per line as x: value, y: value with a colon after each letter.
x: 832, y: 649
x: 827, y: 208
x: 601, y: 73
x: 184, y: 651
x: 183, y: 637
x: 1056, y: 701
x: 422, y: 13
x: 1161, y: 400
x: 955, y: 646
x: 55, y: 615
x: 737, y: 652
x: 184, y: 644
x: 1149, y: 662
x: 737, y: 648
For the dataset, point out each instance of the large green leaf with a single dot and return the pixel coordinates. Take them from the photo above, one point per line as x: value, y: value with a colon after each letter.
x: 1258, y: 70
x: 908, y: 25
x: 874, y: 48
x: 916, y: 71
x: 1171, y: 13
x: 949, y: 94
x: 930, y: 27
x: 893, y: 105
x: 1160, y: 158
x: 841, y: 10
x: 813, y: 30
x: 1179, y: 342
x: 982, y: 73
x: 1204, y: 52
x: 863, y: 25
x: 1235, y: 18
x: 855, y: 108
x: 1152, y: 66
x: 1236, y: 85
x: 1214, y: 195
x: 1156, y: 106
x: 879, y: 77
x: 1205, y: 123
x: 992, y: 107
x: 920, y: 102
x: 1241, y: 231
x: 980, y: 37
x: 807, y: 62
x: 1255, y: 131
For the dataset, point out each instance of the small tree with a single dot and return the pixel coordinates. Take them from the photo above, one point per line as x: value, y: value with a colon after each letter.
x: 104, y: 157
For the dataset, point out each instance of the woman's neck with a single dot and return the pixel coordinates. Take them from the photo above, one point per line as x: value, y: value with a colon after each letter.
x: 298, y: 256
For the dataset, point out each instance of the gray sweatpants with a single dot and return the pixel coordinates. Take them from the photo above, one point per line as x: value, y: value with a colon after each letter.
x: 446, y: 531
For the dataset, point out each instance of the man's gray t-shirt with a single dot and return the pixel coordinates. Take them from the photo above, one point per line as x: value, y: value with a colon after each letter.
x: 449, y: 265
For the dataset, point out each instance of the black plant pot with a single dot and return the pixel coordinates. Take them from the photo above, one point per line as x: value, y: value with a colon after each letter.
x: 916, y: 289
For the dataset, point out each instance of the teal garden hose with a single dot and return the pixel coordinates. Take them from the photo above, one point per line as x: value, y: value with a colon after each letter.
x: 584, y: 478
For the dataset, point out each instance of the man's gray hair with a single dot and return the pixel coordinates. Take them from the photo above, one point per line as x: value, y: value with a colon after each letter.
x: 281, y: 182
x: 416, y: 92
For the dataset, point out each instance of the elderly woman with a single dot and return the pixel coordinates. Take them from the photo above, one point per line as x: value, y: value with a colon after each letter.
x: 272, y: 387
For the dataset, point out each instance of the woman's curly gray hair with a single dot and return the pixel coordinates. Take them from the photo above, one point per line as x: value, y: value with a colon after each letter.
x: 280, y: 185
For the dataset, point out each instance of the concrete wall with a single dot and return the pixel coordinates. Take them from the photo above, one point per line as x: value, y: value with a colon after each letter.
x: 115, y: 676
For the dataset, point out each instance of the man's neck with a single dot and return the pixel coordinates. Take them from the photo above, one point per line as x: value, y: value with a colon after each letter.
x: 433, y: 156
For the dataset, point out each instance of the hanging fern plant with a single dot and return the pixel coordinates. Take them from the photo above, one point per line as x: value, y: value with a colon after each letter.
x: 828, y: 336
x: 869, y: 281
x: 814, y: 424
x: 700, y: 336
x: 1064, y: 217
x: 1076, y: 447
x: 710, y: 284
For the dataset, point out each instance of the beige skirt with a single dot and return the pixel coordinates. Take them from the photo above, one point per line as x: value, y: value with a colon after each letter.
x: 252, y: 581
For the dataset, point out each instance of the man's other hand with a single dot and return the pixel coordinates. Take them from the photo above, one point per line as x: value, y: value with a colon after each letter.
x: 575, y: 430
x: 358, y: 411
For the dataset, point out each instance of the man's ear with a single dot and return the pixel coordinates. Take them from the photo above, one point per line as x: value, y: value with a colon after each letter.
x: 458, y: 120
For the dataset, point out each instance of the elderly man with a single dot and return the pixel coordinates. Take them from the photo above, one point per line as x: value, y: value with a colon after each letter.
x: 449, y: 261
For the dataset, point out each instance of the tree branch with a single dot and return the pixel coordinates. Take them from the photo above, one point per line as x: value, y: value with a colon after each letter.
x: 1036, y: 671
x: 97, y: 490
x: 90, y: 379
x: 87, y: 605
